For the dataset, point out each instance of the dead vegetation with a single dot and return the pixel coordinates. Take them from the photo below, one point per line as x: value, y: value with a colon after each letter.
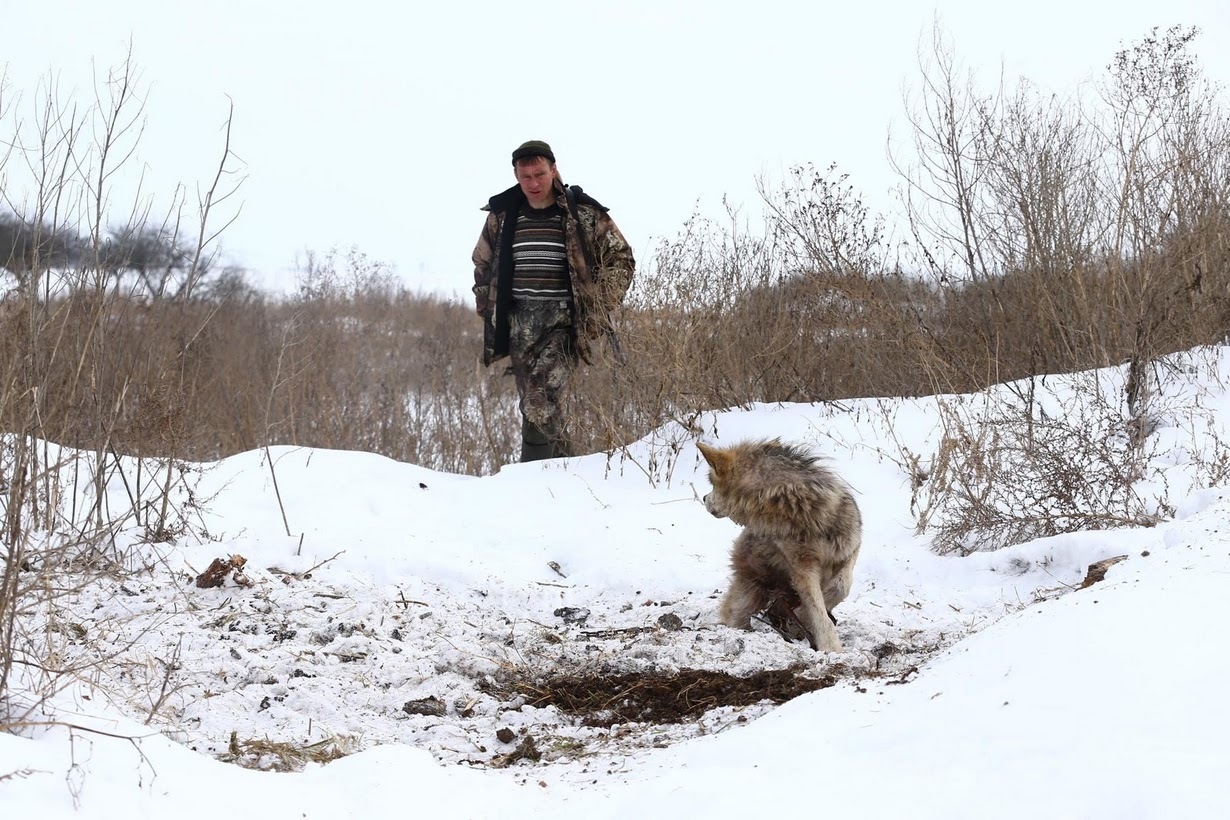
x: 75, y: 366
x: 279, y: 756
x: 220, y: 569
x: 1039, y: 236
x: 1029, y: 243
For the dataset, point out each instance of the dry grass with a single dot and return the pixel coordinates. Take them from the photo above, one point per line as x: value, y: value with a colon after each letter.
x: 281, y: 756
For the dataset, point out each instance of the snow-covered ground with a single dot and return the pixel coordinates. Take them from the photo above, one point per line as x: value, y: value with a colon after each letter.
x: 410, y: 619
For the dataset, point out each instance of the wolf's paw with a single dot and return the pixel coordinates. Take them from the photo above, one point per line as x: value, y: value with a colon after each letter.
x: 829, y: 646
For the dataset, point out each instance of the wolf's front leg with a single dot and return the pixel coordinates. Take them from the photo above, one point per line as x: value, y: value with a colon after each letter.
x: 744, y: 598
x: 815, y: 614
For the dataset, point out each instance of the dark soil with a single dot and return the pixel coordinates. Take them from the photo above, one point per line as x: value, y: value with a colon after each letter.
x: 603, y: 701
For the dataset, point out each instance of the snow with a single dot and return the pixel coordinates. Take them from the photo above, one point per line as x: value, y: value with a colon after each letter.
x: 979, y: 686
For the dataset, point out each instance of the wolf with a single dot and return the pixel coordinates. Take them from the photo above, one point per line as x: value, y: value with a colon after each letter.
x: 802, y: 531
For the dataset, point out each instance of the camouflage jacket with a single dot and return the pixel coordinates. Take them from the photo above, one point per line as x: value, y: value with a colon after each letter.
x: 600, y: 268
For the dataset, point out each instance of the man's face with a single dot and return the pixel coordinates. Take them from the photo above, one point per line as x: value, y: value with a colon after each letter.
x: 536, y: 178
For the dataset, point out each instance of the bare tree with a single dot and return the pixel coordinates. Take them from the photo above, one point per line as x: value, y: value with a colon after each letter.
x: 944, y: 190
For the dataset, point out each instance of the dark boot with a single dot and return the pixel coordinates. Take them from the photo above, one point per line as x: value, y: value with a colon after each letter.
x: 535, y: 445
x: 561, y: 447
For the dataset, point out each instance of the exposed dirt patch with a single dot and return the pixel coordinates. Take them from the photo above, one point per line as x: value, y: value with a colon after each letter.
x: 603, y: 701
x: 1098, y: 569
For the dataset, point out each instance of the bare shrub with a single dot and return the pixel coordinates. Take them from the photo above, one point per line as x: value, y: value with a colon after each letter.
x: 76, y: 365
x: 1066, y: 236
x: 1075, y: 202
x: 1011, y: 468
x: 669, y: 331
x: 374, y: 367
x: 805, y: 308
x: 1045, y: 456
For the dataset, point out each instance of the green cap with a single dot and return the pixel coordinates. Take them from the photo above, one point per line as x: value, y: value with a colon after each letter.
x: 533, y: 148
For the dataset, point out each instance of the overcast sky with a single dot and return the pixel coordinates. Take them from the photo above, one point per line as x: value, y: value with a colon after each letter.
x: 387, y: 125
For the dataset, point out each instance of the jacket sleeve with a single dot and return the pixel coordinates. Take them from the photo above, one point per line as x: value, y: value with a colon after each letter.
x: 615, y: 262
x: 484, y: 271
x: 484, y: 268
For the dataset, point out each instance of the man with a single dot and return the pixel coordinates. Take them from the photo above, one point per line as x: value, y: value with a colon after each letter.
x: 549, y: 267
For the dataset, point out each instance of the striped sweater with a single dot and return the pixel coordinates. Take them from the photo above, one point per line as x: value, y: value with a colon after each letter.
x: 540, y: 260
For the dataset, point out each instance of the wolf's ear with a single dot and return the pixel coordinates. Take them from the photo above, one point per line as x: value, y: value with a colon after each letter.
x: 719, y: 460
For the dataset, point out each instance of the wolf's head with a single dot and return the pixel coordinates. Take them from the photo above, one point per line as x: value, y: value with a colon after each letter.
x: 773, y: 485
x: 721, y: 473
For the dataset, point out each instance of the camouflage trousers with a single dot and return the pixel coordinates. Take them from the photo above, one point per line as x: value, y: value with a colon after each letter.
x: 543, y: 356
